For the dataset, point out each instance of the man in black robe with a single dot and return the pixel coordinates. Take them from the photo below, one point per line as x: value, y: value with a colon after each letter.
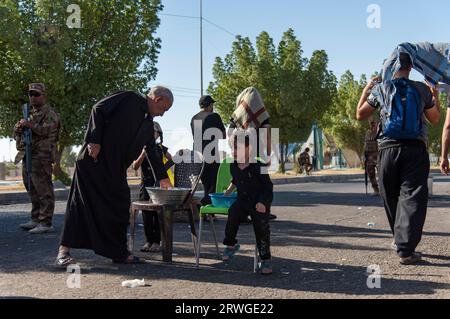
x: 97, y: 213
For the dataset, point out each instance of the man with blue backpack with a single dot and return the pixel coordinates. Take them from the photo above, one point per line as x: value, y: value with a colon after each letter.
x: 404, y: 163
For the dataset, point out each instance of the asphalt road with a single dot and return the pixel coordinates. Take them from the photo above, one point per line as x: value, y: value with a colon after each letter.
x: 326, y: 237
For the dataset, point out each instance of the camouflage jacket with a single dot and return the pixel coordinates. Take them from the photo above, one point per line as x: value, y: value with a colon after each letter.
x: 371, y: 143
x: 46, y: 126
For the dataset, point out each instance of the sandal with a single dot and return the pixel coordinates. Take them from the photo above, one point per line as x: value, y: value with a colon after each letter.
x: 265, y: 267
x: 130, y: 260
x: 65, y: 260
x: 229, y: 252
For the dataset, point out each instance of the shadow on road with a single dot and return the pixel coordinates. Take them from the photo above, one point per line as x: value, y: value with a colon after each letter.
x: 311, y: 199
x: 22, y: 253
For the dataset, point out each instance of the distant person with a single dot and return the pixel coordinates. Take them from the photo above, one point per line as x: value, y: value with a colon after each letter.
x: 204, y: 120
x: 404, y: 162
x: 304, y: 161
x: 45, y: 126
x: 371, y: 154
x: 98, y: 208
x: 151, y: 221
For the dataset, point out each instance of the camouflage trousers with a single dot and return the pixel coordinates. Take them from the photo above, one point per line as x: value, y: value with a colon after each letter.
x: 41, y: 191
x: 372, y: 164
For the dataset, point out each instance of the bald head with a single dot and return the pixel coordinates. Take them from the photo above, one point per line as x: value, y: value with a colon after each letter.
x: 161, y: 91
x: 160, y: 100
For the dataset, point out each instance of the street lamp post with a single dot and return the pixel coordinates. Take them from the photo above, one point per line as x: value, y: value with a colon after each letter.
x: 201, y: 47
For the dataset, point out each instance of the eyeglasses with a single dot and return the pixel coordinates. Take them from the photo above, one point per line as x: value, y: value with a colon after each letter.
x: 34, y: 94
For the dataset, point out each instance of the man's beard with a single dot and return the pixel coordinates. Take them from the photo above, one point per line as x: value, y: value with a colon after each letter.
x: 36, y: 105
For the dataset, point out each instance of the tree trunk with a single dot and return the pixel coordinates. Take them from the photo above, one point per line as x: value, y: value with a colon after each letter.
x: 282, y: 168
x: 58, y: 172
x: 286, y: 150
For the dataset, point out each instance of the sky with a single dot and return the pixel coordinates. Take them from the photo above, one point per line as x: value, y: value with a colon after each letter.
x: 338, y: 27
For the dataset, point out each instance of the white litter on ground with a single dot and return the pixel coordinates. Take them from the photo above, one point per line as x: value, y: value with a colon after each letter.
x: 133, y: 283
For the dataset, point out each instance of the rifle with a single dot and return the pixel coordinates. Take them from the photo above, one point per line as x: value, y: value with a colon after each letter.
x: 366, y: 173
x: 27, y: 142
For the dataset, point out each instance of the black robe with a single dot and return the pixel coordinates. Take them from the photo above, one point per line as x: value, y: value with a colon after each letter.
x: 97, y: 213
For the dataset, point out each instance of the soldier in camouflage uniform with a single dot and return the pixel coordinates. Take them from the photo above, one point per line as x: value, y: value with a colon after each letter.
x: 371, y: 153
x: 45, y: 127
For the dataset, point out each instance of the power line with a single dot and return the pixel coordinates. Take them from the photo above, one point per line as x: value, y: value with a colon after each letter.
x: 176, y: 87
x: 179, y: 16
x: 187, y: 96
x: 206, y: 20
x: 201, y: 18
x: 220, y: 28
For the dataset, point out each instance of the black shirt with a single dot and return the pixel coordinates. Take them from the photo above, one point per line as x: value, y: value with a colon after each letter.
x: 253, y: 186
x: 209, y: 120
x: 147, y: 175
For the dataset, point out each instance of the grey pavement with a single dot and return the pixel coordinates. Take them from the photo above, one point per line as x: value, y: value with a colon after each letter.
x: 326, y: 237
x: 62, y: 192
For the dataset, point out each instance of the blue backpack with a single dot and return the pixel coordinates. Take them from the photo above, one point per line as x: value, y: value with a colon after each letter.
x: 403, y: 119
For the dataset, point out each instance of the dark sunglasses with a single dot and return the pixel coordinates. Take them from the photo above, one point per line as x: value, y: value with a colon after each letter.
x: 34, y: 94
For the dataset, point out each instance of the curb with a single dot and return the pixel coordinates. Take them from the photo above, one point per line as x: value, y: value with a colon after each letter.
x: 22, y: 197
x: 316, y: 179
x: 62, y: 194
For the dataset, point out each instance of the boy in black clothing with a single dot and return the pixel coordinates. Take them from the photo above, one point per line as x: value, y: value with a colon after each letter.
x: 255, y: 195
x: 150, y: 218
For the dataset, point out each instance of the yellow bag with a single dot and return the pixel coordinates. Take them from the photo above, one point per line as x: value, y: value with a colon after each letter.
x: 169, y: 171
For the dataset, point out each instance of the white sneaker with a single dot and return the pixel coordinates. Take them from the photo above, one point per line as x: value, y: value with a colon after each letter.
x: 394, y: 246
x: 28, y: 226
x: 41, y: 229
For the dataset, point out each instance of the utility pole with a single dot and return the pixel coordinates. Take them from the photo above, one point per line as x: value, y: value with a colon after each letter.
x: 201, y: 46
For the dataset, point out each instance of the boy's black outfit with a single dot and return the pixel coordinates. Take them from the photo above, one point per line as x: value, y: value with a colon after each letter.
x: 252, y: 187
x: 150, y: 218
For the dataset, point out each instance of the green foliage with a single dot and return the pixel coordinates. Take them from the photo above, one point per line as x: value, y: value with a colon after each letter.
x: 114, y: 49
x: 340, y: 120
x: 68, y: 158
x: 296, y: 91
x: 63, y: 177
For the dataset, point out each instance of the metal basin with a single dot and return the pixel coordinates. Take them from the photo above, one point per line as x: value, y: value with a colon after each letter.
x: 174, y: 196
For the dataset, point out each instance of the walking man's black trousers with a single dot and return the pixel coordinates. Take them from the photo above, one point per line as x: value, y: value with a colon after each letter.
x: 403, y: 175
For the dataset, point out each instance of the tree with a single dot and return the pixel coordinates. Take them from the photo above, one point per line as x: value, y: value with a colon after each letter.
x: 232, y: 74
x: 296, y: 91
x: 114, y: 49
x: 68, y: 158
x: 291, y: 106
x: 340, y: 120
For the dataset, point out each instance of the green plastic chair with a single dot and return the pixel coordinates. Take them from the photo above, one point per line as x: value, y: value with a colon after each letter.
x: 223, y: 181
